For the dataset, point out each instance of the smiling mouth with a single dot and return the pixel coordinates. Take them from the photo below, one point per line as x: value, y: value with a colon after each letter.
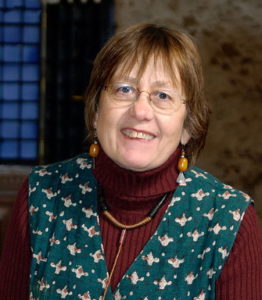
x: 138, y: 134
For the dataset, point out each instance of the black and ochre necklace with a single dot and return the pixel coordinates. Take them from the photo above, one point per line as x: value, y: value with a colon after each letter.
x: 104, y: 210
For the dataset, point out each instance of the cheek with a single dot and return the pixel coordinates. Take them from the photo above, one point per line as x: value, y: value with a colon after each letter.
x: 172, y: 128
x: 105, y: 123
x: 101, y: 115
x: 100, y: 123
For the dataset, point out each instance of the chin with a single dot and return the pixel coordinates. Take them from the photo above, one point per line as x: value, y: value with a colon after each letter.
x: 137, y: 166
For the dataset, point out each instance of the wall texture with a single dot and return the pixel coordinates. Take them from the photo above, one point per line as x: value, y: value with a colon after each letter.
x: 228, y: 33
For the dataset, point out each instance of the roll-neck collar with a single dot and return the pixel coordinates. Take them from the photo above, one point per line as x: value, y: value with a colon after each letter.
x: 126, y: 184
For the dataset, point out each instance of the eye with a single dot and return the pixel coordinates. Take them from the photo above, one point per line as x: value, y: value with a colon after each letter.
x: 121, y: 89
x: 162, y: 96
x: 124, y: 89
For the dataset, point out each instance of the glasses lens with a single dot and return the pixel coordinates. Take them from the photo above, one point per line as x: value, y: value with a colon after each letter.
x: 166, y: 101
x: 122, y: 92
x: 162, y: 101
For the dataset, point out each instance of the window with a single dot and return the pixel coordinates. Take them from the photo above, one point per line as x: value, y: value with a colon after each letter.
x: 19, y: 79
x: 74, y: 32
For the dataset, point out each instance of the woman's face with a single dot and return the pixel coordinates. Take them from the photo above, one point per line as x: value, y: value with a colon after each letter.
x: 135, y: 136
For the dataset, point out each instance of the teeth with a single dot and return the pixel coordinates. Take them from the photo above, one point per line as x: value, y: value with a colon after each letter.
x: 138, y: 135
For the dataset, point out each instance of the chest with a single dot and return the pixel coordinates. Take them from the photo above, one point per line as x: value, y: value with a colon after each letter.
x: 182, y: 258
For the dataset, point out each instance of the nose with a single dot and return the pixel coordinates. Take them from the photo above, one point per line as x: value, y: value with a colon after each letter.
x: 141, y: 108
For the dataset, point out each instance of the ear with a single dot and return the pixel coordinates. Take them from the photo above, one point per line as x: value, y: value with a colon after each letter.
x: 95, y: 120
x: 185, y: 137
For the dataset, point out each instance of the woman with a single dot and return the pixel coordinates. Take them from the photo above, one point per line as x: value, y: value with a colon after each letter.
x: 131, y: 222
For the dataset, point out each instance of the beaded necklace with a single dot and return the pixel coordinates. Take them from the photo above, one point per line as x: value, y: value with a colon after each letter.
x: 105, y: 211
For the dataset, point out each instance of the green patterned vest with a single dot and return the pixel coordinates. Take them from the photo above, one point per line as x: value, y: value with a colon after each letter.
x: 181, y: 261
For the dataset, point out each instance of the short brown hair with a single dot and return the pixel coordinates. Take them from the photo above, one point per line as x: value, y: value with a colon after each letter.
x: 140, y: 43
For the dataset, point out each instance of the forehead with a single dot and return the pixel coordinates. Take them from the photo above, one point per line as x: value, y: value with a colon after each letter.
x: 155, y: 68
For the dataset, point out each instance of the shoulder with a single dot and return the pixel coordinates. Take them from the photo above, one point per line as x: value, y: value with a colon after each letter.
x: 64, y: 171
x: 205, y: 181
x: 61, y: 178
x: 219, y: 202
x: 82, y: 161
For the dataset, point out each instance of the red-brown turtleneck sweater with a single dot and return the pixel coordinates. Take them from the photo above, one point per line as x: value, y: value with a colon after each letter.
x: 130, y: 196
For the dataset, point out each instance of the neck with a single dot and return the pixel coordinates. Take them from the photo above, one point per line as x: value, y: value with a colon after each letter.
x: 135, y: 192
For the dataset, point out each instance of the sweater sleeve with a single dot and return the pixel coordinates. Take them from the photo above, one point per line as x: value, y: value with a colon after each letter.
x: 241, y: 277
x: 16, y: 254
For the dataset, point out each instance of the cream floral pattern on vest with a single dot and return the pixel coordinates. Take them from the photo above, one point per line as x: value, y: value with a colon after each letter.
x: 182, y: 259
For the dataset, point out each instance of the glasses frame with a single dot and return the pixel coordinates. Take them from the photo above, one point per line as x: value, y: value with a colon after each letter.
x: 182, y: 101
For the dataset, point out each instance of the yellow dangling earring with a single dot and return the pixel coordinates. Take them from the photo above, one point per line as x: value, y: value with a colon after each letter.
x: 182, y: 167
x: 94, y: 149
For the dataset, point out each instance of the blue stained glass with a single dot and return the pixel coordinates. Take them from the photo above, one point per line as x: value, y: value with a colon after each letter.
x: 32, y: 3
x: 10, y: 110
x: 12, y: 53
x: 29, y: 111
x: 31, y: 53
x: 11, y: 72
x: 6, y: 4
x: 31, y: 34
x: 9, y: 129
x: 18, y: 3
x: 30, y: 72
x: 28, y: 149
x: 20, y: 75
x: 12, y: 34
x: 31, y: 16
x: 11, y: 91
x: 30, y: 91
x: 9, y: 149
x: 29, y: 130
x: 11, y: 3
x: 12, y: 16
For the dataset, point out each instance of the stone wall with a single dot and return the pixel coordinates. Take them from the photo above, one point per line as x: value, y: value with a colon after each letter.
x: 229, y: 36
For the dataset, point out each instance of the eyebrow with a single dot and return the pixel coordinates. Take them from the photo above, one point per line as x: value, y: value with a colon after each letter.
x: 161, y: 83
x: 157, y: 83
x: 129, y: 79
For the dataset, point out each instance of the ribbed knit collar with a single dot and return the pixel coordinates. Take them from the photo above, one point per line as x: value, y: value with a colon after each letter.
x: 128, y: 189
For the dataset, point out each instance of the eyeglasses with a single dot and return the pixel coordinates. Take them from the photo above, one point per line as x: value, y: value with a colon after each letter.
x: 164, y: 101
